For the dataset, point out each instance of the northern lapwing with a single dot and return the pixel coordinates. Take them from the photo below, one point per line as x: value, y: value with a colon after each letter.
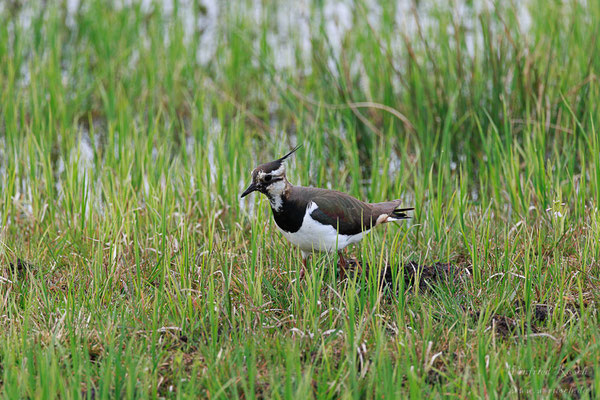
x: 315, y: 219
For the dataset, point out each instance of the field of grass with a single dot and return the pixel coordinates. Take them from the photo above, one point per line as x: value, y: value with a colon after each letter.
x: 130, y: 267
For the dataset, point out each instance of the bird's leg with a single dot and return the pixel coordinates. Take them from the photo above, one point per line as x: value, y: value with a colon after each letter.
x: 358, y: 266
x: 343, y: 265
x: 303, y: 270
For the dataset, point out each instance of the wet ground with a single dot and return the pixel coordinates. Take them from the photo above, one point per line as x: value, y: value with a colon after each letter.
x: 413, y: 273
x: 428, y: 276
x: 425, y: 277
x: 20, y: 266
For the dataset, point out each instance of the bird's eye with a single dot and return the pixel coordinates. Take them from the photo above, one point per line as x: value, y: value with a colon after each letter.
x: 268, y: 178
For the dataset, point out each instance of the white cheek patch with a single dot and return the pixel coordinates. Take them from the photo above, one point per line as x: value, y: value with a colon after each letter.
x: 274, y: 174
x: 276, y: 188
x: 275, y: 192
x: 279, y: 171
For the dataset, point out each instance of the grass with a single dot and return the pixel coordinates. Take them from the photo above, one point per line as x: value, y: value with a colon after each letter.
x: 129, y: 267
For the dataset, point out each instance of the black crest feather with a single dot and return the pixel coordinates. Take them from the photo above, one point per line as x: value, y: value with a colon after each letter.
x: 290, y: 153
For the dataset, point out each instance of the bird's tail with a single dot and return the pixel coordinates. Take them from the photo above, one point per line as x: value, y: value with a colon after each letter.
x: 399, y: 213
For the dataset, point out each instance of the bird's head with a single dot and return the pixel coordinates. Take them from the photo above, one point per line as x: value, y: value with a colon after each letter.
x: 269, y: 178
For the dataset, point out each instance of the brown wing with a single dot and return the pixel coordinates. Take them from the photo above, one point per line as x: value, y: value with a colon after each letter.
x: 348, y: 215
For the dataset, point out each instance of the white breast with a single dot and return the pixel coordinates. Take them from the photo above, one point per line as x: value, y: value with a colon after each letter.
x: 314, y: 236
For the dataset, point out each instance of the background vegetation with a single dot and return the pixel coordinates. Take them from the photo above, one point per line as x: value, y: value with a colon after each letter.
x: 129, y: 267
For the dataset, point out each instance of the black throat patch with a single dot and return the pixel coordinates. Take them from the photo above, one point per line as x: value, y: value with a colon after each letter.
x: 289, y: 217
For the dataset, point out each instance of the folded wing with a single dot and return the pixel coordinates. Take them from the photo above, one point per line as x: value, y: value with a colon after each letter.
x: 351, y: 216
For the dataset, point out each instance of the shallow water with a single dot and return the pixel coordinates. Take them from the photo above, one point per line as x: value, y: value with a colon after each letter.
x: 292, y: 24
x: 291, y: 27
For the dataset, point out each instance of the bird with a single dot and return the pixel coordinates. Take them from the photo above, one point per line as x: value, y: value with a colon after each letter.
x: 315, y: 219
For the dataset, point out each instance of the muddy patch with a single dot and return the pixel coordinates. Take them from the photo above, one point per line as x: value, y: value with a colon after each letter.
x: 505, y: 326
x: 540, y: 312
x: 425, y: 275
x: 414, y: 274
x: 20, y: 267
x: 571, y: 383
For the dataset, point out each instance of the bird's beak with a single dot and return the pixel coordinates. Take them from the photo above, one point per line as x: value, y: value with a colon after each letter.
x: 249, y: 190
